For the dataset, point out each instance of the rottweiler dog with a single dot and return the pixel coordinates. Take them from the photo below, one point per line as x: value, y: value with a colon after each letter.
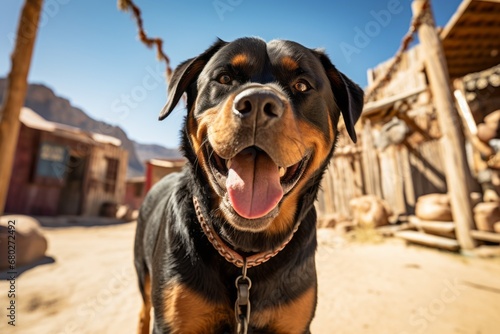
x: 227, y: 245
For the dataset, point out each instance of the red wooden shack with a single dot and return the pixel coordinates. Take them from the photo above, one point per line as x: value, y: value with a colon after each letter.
x: 62, y: 170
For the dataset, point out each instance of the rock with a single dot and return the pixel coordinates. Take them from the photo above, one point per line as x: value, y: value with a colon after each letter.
x: 30, y: 243
x: 485, y: 132
x: 443, y: 199
x: 370, y: 211
x: 487, y: 216
x: 496, y: 227
x: 125, y: 213
x: 433, y: 212
x: 493, y: 119
x: 329, y: 220
x: 475, y: 198
x: 434, y: 207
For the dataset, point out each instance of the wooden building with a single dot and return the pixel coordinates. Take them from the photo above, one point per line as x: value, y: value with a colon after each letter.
x: 156, y: 169
x: 62, y: 170
x: 135, y: 190
x: 399, y: 155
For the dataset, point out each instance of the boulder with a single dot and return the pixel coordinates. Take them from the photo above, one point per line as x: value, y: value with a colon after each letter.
x: 370, y: 211
x: 490, y: 128
x: 485, y: 132
x: 487, y: 216
x: 493, y: 119
x: 29, y: 244
x: 496, y: 227
x: 328, y: 221
x: 434, y: 207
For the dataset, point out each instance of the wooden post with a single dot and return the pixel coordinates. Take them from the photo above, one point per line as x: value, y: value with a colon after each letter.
x: 452, y: 142
x: 15, y: 92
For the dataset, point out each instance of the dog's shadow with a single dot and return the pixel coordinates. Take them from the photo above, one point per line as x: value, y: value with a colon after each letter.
x: 8, y: 274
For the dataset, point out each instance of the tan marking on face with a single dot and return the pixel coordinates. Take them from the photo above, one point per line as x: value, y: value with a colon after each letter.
x: 145, y: 314
x: 320, y: 145
x: 185, y: 311
x: 289, y: 63
x: 239, y: 60
x: 197, y: 131
x: 288, y: 318
x: 228, y: 135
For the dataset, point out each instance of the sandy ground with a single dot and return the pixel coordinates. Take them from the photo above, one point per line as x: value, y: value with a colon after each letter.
x: 89, y: 286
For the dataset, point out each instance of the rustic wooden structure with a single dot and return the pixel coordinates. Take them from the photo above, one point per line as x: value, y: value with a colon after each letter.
x: 156, y: 169
x: 399, y: 156
x: 61, y: 170
x: 135, y: 192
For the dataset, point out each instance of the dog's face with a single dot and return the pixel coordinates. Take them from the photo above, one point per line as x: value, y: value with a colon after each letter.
x: 262, y: 121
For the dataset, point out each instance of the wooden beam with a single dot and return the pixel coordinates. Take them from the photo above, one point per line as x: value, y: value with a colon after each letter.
x: 15, y: 91
x: 436, y: 226
x: 455, y: 18
x: 459, y: 14
x: 485, y: 236
x: 371, y: 108
x: 483, y: 17
x: 452, y: 141
x: 478, y: 63
x: 468, y: 30
x: 429, y: 240
x: 468, y: 120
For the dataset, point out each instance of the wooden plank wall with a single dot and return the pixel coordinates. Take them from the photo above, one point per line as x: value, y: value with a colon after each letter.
x: 399, y: 174
x: 97, y: 195
x: 408, y: 76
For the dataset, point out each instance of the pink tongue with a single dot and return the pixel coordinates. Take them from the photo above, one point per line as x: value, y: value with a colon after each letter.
x: 253, y: 184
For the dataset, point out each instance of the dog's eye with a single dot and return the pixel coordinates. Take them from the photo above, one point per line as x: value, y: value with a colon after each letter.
x: 302, y: 86
x: 224, y: 79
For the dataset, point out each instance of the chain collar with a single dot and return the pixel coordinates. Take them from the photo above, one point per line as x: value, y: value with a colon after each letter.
x: 230, y: 254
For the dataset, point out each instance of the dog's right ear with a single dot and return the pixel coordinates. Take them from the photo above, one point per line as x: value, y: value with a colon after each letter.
x: 186, y: 74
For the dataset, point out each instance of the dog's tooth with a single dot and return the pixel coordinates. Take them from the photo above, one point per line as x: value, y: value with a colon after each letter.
x: 229, y: 162
x: 282, y: 171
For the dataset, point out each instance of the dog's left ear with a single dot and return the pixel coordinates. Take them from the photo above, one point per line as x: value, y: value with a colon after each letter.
x: 185, y: 75
x: 348, y: 95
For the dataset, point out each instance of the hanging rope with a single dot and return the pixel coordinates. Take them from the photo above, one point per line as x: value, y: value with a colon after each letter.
x: 405, y: 42
x: 128, y: 5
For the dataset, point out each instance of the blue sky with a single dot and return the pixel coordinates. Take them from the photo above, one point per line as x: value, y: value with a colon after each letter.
x: 88, y: 52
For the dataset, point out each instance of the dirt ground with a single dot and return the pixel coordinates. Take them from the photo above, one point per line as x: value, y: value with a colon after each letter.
x: 88, y: 285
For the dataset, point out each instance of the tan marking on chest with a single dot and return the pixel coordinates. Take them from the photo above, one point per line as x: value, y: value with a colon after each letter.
x: 288, y: 318
x: 186, y: 311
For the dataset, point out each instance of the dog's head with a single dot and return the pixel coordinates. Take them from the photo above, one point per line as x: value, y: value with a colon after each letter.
x: 262, y: 122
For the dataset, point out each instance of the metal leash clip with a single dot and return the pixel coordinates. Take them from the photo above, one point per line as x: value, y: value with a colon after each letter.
x: 242, y: 305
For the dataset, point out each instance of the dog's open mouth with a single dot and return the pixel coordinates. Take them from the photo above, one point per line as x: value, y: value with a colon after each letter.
x: 254, y: 183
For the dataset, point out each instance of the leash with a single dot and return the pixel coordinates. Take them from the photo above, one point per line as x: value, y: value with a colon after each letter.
x: 242, y: 305
x: 242, y: 282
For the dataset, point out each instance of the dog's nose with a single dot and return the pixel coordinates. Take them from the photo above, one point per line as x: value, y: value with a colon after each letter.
x: 260, y: 103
